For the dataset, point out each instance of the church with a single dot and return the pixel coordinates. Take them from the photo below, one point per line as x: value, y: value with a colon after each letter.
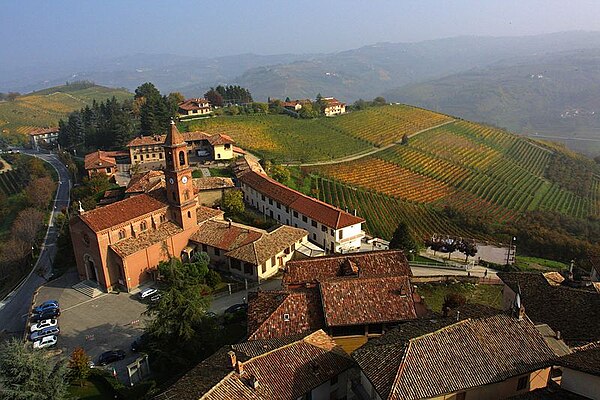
x: 120, y: 245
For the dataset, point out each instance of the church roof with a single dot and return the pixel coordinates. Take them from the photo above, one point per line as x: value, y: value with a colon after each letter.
x: 174, y: 137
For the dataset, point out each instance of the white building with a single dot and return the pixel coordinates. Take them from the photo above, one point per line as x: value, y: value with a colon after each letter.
x: 335, y: 230
x: 43, y: 136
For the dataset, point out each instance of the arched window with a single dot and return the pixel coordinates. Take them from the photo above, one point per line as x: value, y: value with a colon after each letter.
x: 186, y: 195
x: 182, y: 158
x: 189, y: 214
x: 143, y: 226
x: 122, y: 234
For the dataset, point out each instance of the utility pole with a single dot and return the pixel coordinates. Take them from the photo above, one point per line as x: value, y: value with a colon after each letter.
x: 510, y: 249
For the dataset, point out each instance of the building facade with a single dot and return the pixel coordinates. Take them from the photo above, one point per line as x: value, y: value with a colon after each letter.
x: 333, y: 229
x: 43, y: 137
x: 194, y: 108
x: 333, y: 107
x: 100, y: 162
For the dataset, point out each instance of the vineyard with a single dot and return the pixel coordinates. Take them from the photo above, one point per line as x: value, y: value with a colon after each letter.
x: 474, y: 168
x: 10, y: 182
x: 291, y: 140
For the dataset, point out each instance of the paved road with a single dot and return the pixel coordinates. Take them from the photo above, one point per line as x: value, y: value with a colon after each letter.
x: 14, y: 308
x: 220, y: 304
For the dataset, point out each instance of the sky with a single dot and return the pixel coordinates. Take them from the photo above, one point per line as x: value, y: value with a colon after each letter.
x: 43, y: 30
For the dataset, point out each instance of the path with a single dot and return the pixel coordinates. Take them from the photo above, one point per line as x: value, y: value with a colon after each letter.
x: 220, y: 304
x: 363, y: 154
x: 15, y: 306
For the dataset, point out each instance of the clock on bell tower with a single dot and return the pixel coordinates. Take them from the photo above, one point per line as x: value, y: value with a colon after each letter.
x: 178, y: 175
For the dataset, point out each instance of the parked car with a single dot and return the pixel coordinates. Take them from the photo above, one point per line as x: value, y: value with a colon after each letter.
x: 148, y: 292
x: 48, y: 314
x: 49, y: 331
x: 202, y: 153
x: 47, y: 323
x: 237, y: 307
x: 140, y: 343
x: 111, y: 356
x: 47, y: 305
x: 46, y: 341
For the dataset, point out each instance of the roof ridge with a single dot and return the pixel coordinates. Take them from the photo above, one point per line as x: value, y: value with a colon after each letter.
x: 400, y: 368
x: 457, y: 323
x: 216, y: 385
x: 285, y: 346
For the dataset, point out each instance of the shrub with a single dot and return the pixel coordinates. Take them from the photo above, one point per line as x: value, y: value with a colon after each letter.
x: 213, y: 279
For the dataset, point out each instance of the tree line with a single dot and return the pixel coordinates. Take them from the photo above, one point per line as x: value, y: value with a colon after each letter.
x: 228, y: 95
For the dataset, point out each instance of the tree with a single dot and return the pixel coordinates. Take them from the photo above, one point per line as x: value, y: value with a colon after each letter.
x: 26, y: 374
x: 360, y: 104
x: 379, y: 101
x: 79, y: 363
x: 215, y: 98
x: 280, y: 173
x: 39, y: 192
x: 402, y: 239
x: 27, y: 224
x: 232, y: 202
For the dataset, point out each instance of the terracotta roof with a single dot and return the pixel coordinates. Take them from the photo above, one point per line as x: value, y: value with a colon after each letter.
x: 145, y: 239
x: 332, y: 102
x: 174, y: 137
x: 273, y: 314
x: 369, y: 264
x: 456, y: 357
x: 157, y: 140
x: 239, y: 150
x: 99, y: 159
x: 222, y: 236
x: 358, y: 301
x: 121, y: 212
x: 268, y: 245
x: 245, y: 164
x: 194, y: 104
x: 220, y: 138
x: 585, y: 359
x: 205, y: 213
x: 212, y: 182
x: 195, y: 136
x: 43, y: 131
x: 574, y: 312
x: 317, y: 210
x: 287, y: 372
x: 145, y: 182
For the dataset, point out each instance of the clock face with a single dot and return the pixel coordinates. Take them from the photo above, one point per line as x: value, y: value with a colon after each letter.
x: 171, y: 181
x: 184, y: 179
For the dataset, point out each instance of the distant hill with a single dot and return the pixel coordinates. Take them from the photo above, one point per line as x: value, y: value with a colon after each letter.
x: 554, y: 95
x: 46, y: 107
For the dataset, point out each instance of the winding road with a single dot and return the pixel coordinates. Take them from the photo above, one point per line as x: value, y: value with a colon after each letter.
x: 15, y: 306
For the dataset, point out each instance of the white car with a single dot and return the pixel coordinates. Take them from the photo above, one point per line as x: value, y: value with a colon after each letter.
x: 202, y: 153
x: 47, y: 341
x: 46, y: 323
x: 146, y: 293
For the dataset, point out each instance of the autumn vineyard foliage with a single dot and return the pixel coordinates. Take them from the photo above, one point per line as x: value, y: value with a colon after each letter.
x: 473, y: 168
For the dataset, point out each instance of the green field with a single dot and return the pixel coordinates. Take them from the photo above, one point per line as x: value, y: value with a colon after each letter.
x: 433, y: 294
x: 46, y: 107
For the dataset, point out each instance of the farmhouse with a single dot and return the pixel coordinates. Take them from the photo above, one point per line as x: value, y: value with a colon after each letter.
x: 333, y: 106
x: 446, y: 359
x: 100, y: 162
x: 302, y: 367
x: 43, y: 136
x: 335, y: 230
x: 121, y: 244
x: 149, y: 149
x: 194, y: 107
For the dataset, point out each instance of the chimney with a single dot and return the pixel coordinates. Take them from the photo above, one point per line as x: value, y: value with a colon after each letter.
x: 239, y: 367
x: 229, y: 221
x: 354, y: 212
x: 232, y: 359
x: 253, y: 382
x: 558, y: 335
x: 458, y: 315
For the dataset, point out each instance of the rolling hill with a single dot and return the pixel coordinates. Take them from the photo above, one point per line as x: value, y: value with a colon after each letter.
x: 46, y: 107
x: 552, y: 96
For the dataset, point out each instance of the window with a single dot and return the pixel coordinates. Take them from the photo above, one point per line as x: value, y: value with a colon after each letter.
x: 135, y: 157
x: 286, y: 317
x: 162, y: 218
x: 227, y: 146
x: 181, y: 158
x: 236, y: 264
x: 204, y: 248
x: 279, y: 205
x: 522, y: 384
x: 248, y: 268
x: 108, y: 170
x: 270, y: 202
x: 273, y: 261
x: 263, y: 268
x: 340, y: 234
x: 287, y: 209
x: 323, y: 228
x: 186, y: 195
x: 189, y: 214
x: 217, y: 252
x: 160, y: 155
x: 218, y: 155
x: 262, y: 196
x: 295, y: 214
x: 314, y: 223
x: 153, y: 155
x: 122, y: 234
x: 143, y: 226
x: 332, y: 232
x: 314, y: 236
x: 304, y: 219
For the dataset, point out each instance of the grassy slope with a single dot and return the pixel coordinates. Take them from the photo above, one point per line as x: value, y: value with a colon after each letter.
x: 45, y: 108
x: 433, y: 294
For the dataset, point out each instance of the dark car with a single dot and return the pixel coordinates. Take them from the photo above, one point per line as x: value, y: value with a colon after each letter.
x: 237, y: 308
x: 47, y: 314
x: 140, y: 343
x: 46, y: 306
x: 111, y: 356
x: 49, y: 331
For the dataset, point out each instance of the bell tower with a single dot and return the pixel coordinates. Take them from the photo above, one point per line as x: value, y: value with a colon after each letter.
x: 178, y: 176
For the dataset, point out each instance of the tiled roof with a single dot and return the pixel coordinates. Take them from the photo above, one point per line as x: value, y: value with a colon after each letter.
x: 245, y: 164
x: 456, y: 357
x: 368, y: 264
x: 585, y: 359
x: 194, y: 104
x: 332, y: 102
x: 573, y: 312
x: 219, y: 139
x: 145, y: 239
x: 205, y: 213
x: 99, y: 159
x: 43, y: 131
x: 287, y: 372
x: 357, y: 301
x: 273, y: 314
x: 121, y: 212
x: 239, y: 150
x: 146, y: 182
x: 157, y: 140
x: 174, y: 137
x: 212, y: 182
x: 223, y: 236
x: 268, y: 245
x: 316, y: 210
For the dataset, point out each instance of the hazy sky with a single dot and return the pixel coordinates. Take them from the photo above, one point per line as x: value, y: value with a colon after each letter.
x: 59, y: 29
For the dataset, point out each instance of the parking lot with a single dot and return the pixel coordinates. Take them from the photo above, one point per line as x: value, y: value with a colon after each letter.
x: 107, y: 322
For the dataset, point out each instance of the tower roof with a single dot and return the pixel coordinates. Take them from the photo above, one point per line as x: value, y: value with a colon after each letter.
x: 174, y: 137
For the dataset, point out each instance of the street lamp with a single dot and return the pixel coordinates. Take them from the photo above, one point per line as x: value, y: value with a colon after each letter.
x: 512, y: 239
